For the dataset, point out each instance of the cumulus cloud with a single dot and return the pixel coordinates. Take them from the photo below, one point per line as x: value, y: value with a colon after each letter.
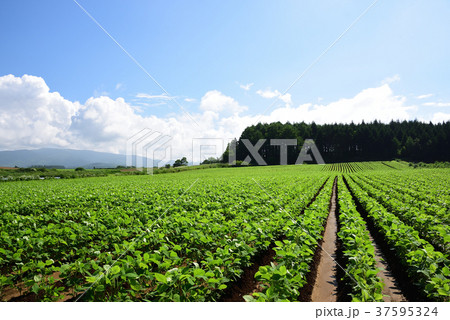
x: 247, y: 86
x: 440, y: 117
x: 31, y: 116
x: 268, y: 94
x: 370, y: 104
x: 216, y: 101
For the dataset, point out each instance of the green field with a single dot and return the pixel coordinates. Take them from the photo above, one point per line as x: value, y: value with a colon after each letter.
x: 197, y: 235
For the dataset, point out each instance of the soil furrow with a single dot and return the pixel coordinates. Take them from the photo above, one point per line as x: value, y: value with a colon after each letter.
x: 391, y: 291
x: 246, y: 284
x: 21, y: 293
x: 325, y: 287
x: 398, y: 287
x: 389, y: 166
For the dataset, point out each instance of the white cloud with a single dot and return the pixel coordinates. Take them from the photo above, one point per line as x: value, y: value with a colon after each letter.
x: 190, y: 100
x: 33, y: 117
x: 218, y: 102
x: 119, y: 85
x: 247, y: 86
x: 370, y: 104
x: 392, y: 79
x: 436, y: 104
x: 440, y: 117
x: 268, y: 94
x: 151, y: 97
x: 424, y: 96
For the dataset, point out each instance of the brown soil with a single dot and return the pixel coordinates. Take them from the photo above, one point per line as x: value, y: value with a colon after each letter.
x: 325, y: 285
x: 402, y: 286
x: 10, y: 293
x: 314, y: 198
x: 391, y: 290
x: 21, y: 293
x: 246, y: 284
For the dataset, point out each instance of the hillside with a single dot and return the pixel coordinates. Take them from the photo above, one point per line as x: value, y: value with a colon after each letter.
x: 60, y: 157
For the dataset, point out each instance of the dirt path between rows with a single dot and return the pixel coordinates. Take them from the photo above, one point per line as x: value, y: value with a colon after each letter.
x: 246, y: 284
x: 326, y: 286
x: 397, y: 285
x: 391, y: 290
x: 22, y: 293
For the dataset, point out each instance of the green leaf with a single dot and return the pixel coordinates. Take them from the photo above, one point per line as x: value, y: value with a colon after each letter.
x: 283, y: 270
x: 135, y: 287
x: 378, y: 296
x: 213, y: 280
x: 35, y: 288
x: 199, y: 272
x: 100, y: 288
x: 442, y: 292
x: 114, y: 270
x: 249, y: 298
x: 371, y: 273
x: 160, y: 277
x: 270, y: 292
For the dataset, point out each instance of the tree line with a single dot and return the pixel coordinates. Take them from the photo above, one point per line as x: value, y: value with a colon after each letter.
x: 375, y: 141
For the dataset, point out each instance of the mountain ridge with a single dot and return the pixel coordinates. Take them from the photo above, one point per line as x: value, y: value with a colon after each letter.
x: 69, y: 158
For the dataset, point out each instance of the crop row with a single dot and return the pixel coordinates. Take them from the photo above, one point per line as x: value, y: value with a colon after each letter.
x: 358, y: 250
x: 112, y: 238
x: 430, y: 227
x: 430, y: 191
x: 283, y: 279
x: 427, y: 269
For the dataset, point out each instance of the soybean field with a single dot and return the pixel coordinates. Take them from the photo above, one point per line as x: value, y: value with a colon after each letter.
x: 369, y: 231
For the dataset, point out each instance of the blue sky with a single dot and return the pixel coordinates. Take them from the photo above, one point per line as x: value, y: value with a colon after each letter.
x: 193, y: 48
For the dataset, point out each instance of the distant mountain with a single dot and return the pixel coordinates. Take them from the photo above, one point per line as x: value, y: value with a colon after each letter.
x: 61, y: 157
